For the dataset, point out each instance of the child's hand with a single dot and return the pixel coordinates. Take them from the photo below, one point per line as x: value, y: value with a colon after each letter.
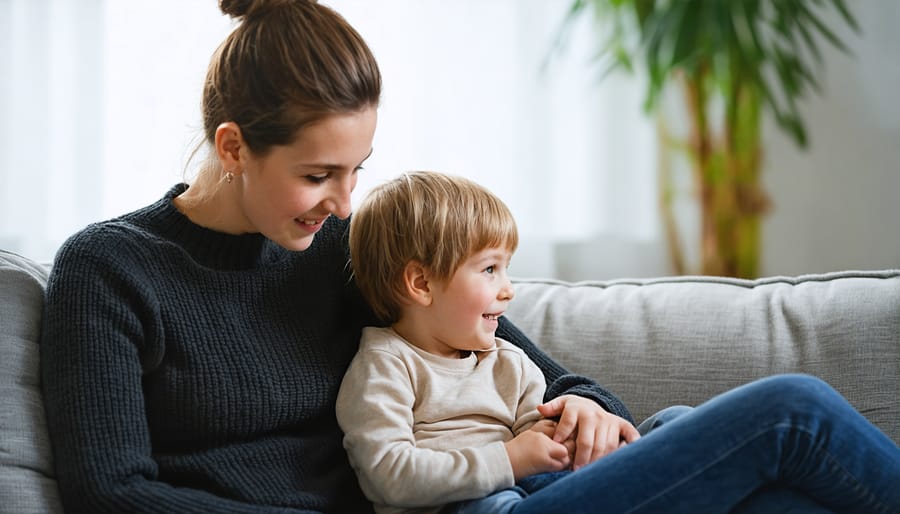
x: 545, y: 426
x: 548, y: 428
x: 596, y: 432
x: 533, y: 451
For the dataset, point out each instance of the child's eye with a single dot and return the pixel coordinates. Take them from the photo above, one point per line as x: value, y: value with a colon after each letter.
x: 489, y: 269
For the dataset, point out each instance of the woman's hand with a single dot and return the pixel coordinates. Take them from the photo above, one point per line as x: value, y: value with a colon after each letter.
x: 595, y: 431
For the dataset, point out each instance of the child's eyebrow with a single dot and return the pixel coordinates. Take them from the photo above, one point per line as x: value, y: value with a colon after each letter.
x: 495, y: 254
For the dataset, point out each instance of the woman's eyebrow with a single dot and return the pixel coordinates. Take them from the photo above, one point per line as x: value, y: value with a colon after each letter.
x: 371, y: 151
x: 331, y: 166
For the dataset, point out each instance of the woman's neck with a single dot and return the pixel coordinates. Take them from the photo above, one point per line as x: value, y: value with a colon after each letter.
x: 213, y: 206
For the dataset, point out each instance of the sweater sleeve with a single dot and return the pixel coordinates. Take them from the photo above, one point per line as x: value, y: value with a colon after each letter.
x: 97, y: 340
x: 559, y: 380
x: 374, y: 409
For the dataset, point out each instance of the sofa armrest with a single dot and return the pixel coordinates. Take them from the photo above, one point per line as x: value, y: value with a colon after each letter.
x: 660, y: 342
x: 27, y: 483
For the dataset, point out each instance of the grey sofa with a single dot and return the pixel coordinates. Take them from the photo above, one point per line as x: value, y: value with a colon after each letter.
x: 654, y: 342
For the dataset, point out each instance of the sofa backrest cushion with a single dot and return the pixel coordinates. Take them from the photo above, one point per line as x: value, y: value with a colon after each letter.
x: 27, y: 483
x: 682, y: 340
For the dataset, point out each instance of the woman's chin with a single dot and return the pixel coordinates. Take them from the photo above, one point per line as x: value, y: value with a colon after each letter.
x: 295, y: 244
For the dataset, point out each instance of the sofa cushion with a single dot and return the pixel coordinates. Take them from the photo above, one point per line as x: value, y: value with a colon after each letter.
x: 660, y: 342
x: 27, y: 483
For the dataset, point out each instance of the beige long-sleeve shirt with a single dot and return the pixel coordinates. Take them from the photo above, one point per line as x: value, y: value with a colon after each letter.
x: 422, y: 430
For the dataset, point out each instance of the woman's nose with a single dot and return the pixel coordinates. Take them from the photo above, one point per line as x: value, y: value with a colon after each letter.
x: 338, y: 201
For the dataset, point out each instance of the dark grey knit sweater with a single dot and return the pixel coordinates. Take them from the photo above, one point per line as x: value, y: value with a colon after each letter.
x: 186, y: 370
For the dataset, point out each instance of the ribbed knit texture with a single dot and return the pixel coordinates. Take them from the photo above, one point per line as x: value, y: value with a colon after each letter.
x: 186, y: 370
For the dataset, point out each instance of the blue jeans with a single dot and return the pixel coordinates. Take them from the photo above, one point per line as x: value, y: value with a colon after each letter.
x: 502, y: 501
x: 788, y: 443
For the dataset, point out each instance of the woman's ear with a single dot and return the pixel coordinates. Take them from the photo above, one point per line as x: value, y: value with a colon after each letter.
x: 229, y: 142
x: 416, y: 284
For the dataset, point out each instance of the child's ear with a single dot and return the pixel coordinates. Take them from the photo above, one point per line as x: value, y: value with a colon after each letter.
x: 415, y: 283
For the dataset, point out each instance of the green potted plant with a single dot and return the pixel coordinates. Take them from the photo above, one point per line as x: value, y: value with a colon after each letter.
x: 732, y: 61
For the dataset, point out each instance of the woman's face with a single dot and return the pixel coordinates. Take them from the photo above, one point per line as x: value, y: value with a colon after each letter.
x: 287, y: 194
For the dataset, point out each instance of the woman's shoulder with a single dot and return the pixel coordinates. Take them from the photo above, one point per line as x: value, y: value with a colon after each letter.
x: 103, y: 240
x: 116, y: 242
x: 128, y: 229
x: 94, y: 255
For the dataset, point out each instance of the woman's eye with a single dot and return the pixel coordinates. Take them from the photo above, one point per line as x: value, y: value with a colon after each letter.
x: 317, y: 179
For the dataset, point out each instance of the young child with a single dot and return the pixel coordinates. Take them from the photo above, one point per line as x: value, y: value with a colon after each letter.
x: 439, y: 415
x: 436, y: 409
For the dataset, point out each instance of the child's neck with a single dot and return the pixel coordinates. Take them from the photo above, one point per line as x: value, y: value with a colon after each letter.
x: 417, y: 335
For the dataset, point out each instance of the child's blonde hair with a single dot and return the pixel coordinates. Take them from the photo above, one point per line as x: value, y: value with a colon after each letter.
x: 434, y: 219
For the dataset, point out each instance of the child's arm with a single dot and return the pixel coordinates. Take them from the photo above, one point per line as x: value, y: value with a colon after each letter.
x: 374, y: 408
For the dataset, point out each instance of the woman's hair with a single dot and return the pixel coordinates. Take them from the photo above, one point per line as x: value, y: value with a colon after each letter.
x: 287, y: 64
x: 434, y: 219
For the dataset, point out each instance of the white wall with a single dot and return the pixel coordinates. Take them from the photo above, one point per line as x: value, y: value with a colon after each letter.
x: 836, y: 205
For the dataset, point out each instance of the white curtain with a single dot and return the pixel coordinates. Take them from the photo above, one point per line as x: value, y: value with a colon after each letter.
x: 100, y: 109
x: 102, y: 100
x: 51, y: 129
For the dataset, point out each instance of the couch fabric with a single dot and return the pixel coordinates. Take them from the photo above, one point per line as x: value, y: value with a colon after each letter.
x: 661, y: 342
x: 26, y: 466
x: 655, y: 343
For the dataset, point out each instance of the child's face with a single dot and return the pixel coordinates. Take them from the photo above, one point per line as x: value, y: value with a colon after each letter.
x: 465, y: 309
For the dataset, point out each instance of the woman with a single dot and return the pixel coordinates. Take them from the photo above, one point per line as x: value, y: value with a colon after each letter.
x: 192, y: 350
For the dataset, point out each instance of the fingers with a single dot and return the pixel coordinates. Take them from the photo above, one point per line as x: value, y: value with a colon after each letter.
x: 559, y: 452
x: 545, y: 426
x: 553, y: 408
x: 585, y: 446
x: 606, y: 442
x: 629, y: 433
x: 588, y: 431
x: 567, y: 424
x: 570, y: 448
x: 596, y: 440
x: 568, y: 419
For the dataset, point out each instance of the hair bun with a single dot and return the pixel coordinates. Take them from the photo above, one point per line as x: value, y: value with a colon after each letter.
x: 236, y: 8
x: 241, y: 9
